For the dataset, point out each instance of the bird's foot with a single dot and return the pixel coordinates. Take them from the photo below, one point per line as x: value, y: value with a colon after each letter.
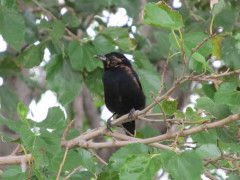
x: 131, y: 114
x: 109, y: 125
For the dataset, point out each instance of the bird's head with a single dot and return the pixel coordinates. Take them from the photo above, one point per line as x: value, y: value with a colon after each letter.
x: 113, y: 60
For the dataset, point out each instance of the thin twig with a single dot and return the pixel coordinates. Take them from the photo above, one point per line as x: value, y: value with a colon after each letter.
x: 70, y: 124
x: 200, y: 45
x: 98, y: 157
x: 209, y: 175
x: 73, y: 172
x: 62, y: 164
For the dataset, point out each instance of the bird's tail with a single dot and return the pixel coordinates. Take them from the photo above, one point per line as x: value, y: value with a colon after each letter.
x: 129, y: 127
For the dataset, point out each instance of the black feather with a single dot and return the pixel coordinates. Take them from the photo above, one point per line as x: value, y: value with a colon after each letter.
x: 122, y: 87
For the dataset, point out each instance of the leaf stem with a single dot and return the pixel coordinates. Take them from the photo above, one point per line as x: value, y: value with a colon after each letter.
x: 175, y: 36
x: 211, y: 24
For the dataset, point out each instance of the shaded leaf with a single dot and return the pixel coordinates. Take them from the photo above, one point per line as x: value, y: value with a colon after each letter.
x: 208, y: 150
x: 140, y: 167
x: 217, y: 8
x: 162, y: 15
x: 230, y: 53
x: 169, y: 107
x: 118, y: 159
x: 63, y: 79
x: 220, y: 111
x: 55, y: 119
x: 32, y: 56
x: 8, y: 99
x: 227, y: 93
x: 70, y: 19
x: 81, y: 56
x: 13, y: 173
x: 180, y: 166
x: 12, y: 27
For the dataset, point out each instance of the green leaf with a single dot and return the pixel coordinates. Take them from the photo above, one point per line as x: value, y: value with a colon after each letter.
x: 8, y: 3
x: 13, y: 173
x: 192, y: 39
x: 192, y: 115
x: 230, y: 53
x: 81, y: 56
x: 55, y: 28
x: 86, y: 175
x: 226, y: 19
x: 148, y: 132
x: 93, y: 81
x: 162, y: 16
x: 103, y: 44
x: 229, y: 133
x: 162, y: 49
x: 109, y: 175
x: 140, y: 167
x: 8, y: 99
x: 41, y: 143
x: 169, y: 107
x: 74, y: 159
x: 32, y: 33
x: 54, y: 120
x: 220, y: 111
x: 185, y: 166
x: 22, y: 111
x: 63, y: 79
x: 71, y: 20
x: 11, y: 124
x: 217, y: 8
x: 32, y: 56
x: 227, y: 93
x: 118, y: 159
x: 208, y: 150
x: 209, y: 90
x: 209, y: 137
x: 12, y: 28
x: 111, y: 37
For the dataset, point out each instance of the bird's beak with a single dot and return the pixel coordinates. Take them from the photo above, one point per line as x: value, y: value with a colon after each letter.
x: 102, y: 57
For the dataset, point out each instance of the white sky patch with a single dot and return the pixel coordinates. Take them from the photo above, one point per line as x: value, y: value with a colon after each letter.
x: 61, y: 1
x: 120, y: 18
x: 177, y: 4
x: 217, y: 64
x: 105, y: 113
x: 63, y: 11
x: 90, y: 29
x: 129, y: 56
x: 46, y: 57
x: 193, y: 98
x: 189, y: 105
x: 38, y: 111
x: 36, y: 43
x: 3, y: 44
x: 1, y: 81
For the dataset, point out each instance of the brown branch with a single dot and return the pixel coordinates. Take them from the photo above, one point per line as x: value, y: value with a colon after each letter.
x: 210, y: 176
x: 11, y: 160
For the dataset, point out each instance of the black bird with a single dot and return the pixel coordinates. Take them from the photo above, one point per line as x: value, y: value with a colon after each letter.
x: 122, y: 88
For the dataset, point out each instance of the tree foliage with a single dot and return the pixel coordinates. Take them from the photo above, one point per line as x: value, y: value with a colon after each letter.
x: 188, y: 41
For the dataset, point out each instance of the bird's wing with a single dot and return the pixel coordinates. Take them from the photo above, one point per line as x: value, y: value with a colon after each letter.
x: 137, y: 79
